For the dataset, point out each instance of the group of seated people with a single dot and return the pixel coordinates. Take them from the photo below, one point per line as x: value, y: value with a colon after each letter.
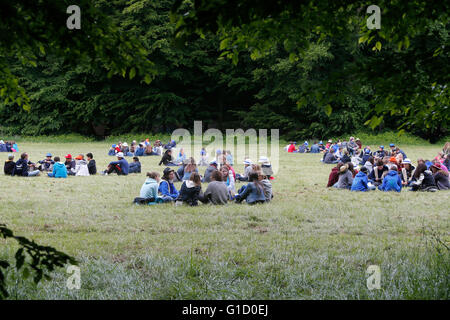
x: 352, y: 145
x: 389, y: 171
x: 221, y: 184
x: 54, y: 168
x: 78, y: 166
x: 141, y: 149
x: 8, y: 146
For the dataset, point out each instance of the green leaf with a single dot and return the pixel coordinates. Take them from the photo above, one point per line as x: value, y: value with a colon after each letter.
x: 132, y: 73
x: 328, y: 110
x: 378, y: 45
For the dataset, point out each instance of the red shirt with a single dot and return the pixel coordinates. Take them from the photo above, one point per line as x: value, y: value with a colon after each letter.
x: 291, y: 148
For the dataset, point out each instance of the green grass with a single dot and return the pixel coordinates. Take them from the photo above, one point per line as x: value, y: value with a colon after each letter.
x: 308, y: 243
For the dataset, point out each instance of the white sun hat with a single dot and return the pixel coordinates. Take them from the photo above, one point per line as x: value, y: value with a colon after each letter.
x: 248, y: 161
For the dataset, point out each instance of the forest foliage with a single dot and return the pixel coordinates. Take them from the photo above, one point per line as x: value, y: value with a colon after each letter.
x: 310, y: 73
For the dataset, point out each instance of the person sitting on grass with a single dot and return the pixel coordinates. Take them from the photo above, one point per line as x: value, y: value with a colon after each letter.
x: 10, y: 165
x: 190, y: 190
x: 112, y: 151
x: 291, y: 147
x: 217, y: 192
x: 121, y: 166
x: 47, y: 163
x: 378, y: 173
x: 266, y: 167
x: 181, y: 156
x: 59, y: 169
x: 81, y: 166
x: 369, y: 164
x: 167, y: 159
x: 391, y: 181
x: 210, y: 169
x: 440, y: 176
x: 23, y: 166
x: 91, y: 164
x: 166, y: 187
x: 330, y: 158
x: 423, y: 179
x: 345, y: 156
x: 380, y: 153
x: 227, y: 177
x: 253, y: 192
x: 189, y: 169
x: 407, y: 172
x: 149, y: 190
x: 361, y: 181
x: 70, y: 165
x: 140, y: 150
x: 265, y: 180
x: 203, y: 158
x: 247, y: 169
x: 135, y: 166
x: 334, y: 175
x: 345, y: 179
x: 315, y: 148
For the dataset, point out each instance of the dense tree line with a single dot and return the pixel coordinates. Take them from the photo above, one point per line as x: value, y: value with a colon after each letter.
x: 334, y: 86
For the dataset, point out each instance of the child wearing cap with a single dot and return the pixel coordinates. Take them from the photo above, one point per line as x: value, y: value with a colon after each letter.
x: 8, y: 169
x: 139, y: 150
x: 70, y: 165
x: 247, y: 170
x: 112, y: 151
x: 81, y: 166
x: 121, y: 166
x: 209, y: 170
x: 407, y: 172
x: 47, y: 163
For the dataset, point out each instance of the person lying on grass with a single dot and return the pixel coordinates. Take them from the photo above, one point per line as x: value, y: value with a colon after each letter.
x: 120, y: 166
x: 216, y: 192
x: 253, y: 192
x: 190, y: 190
x: 59, y: 169
x: 166, y: 187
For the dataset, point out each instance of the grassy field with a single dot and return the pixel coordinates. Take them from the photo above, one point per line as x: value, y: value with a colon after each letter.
x: 308, y: 243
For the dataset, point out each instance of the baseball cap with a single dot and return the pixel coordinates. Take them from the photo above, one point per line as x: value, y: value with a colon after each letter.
x: 79, y: 157
x: 49, y: 154
x: 406, y: 161
x: 68, y: 156
x: 247, y: 161
x: 119, y: 154
x: 381, y: 147
x: 392, y: 145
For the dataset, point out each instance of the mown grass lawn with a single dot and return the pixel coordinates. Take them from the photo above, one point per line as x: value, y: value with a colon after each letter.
x: 308, y: 243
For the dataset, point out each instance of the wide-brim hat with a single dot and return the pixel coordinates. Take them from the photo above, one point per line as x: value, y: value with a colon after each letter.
x: 248, y: 161
x: 263, y: 159
x: 125, y: 144
x: 406, y: 161
x: 167, y: 171
x: 119, y: 155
